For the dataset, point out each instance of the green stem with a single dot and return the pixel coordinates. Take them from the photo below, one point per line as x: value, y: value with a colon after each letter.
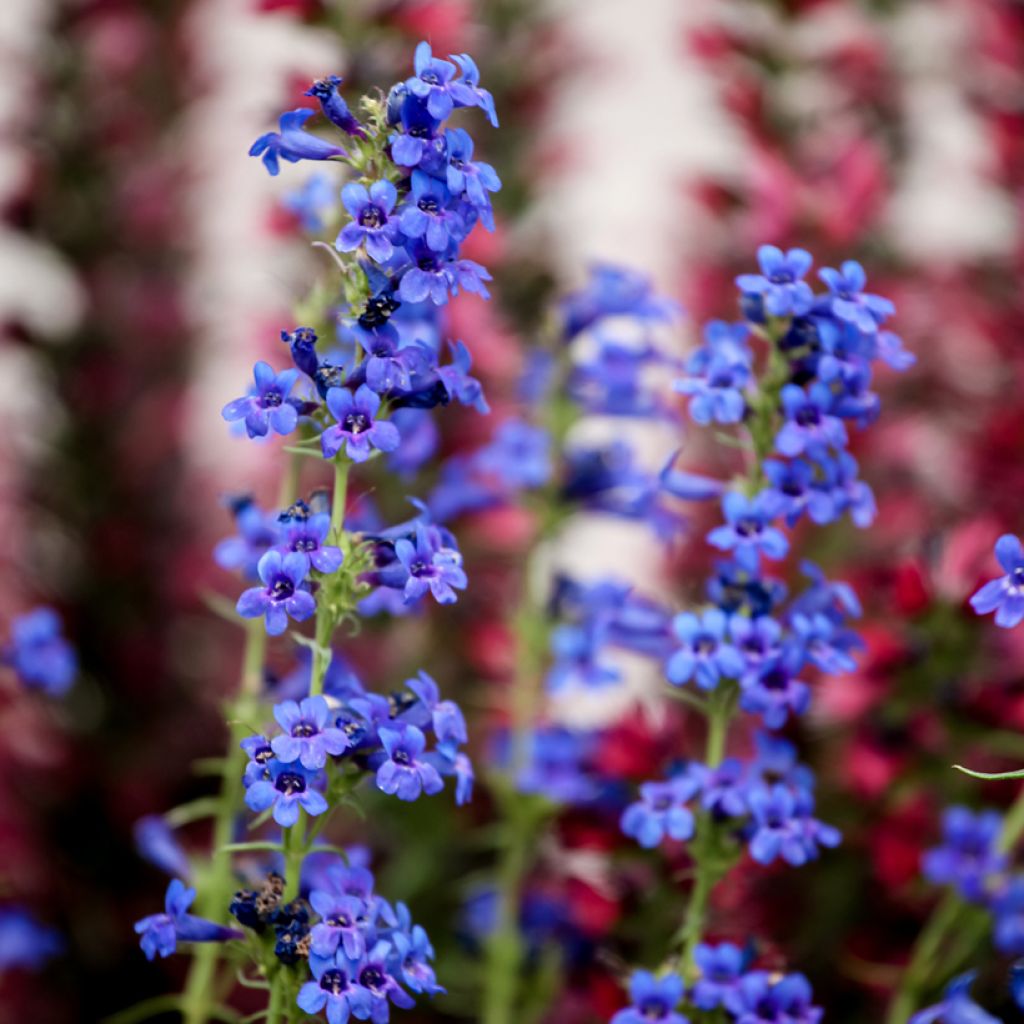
x: 721, y: 706
x: 925, y: 964
x: 215, y: 894
x: 294, y: 841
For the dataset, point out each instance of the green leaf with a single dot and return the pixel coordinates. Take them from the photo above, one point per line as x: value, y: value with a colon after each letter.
x: 246, y: 847
x: 1018, y: 774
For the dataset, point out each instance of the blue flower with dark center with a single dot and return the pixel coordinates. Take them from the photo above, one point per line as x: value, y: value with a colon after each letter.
x: 430, y: 567
x: 288, y: 789
x: 470, y: 86
x: 40, y: 656
x: 307, y: 736
x: 774, y: 691
x: 661, y: 811
x: 334, y: 107
x: 1004, y: 596
x: 376, y: 976
x: 796, y: 487
x: 419, y: 143
x: 434, y: 275
x: 260, y: 753
x: 468, y: 177
x: 405, y: 773
x: 435, y: 84
x: 292, y: 142
x: 345, y: 920
x: 161, y: 933
x: 427, y: 214
x: 758, y: 639
x: 302, y: 342
x: 335, y: 988
x: 825, y: 643
x: 653, y: 1000
x: 258, y: 532
x: 306, y: 537
x: 748, y: 533
x: 614, y: 291
x: 157, y: 844
x: 957, y: 1006
x: 761, y: 999
x: 446, y: 717
x: 848, y: 300
x: 415, y: 953
x: 267, y: 407
x: 720, y: 969
x: 312, y: 203
x: 718, y: 375
x: 371, y: 224
x: 281, y: 595
x: 457, y: 382
x: 357, y: 429
x: 705, y: 655
x: 811, y: 426
x: 780, y: 285
x: 968, y: 857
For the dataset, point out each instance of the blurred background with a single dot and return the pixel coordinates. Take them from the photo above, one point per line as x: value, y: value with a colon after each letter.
x: 145, y: 262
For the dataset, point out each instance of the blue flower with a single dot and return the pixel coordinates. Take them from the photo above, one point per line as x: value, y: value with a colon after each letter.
x: 307, y: 736
x: 720, y: 969
x: 427, y: 214
x: 470, y: 178
x: 306, y: 537
x: 446, y: 717
x: 371, y: 223
x: 161, y: 933
x: 760, y: 999
x: 782, y: 825
x: 810, y: 424
x: 356, y: 427
x: 405, y: 773
x: 470, y: 86
x: 519, y: 455
x: 434, y: 275
x: 287, y: 788
x: 758, y: 640
x: 457, y: 382
x: 377, y: 978
x: 968, y: 857
x: 39, y: 654
x: 849, y: 301
x: 157, y: 844
x: 267, y: 406
x: 415, y: 953
x: 24, y: 942
x: 430, y: 566
x: 260, y: 754
x: 773, y: 691
x: 796, y: 488
x: 1004, y: 596
x: 433, y: 83
x: 336, y: 988
x: 258, y: 532
x: 719, y: 371
x: 1008, y: 911
x: 747, y: 532
x: 281, y: 595
x: 344, y: 922
x: 957, y: 1006
x: 302, y: 342
x: 780, y: 284
x: 724, y: 789
x: 614, y: 291
x: 661, y: 811
x: 292, y: 142
x: 705, y: 655
x: 334, y: 107
x: 419, y: 143
x: 312, y: 203
x: 652, y: 1000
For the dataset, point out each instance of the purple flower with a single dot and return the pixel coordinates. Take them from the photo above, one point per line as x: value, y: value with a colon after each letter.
x: 157, y: 844
x: 810, y: 424
x: 850, y: 302
x: 258, y: 531
x: 957, y: 1006
x: 371, y: 222
x: 757, y: 639
x: 747, y: 532
x: 404, y: 774
x: 723, y: 789
x: 653, y: 1000
x: 415, y: 953
x: 281, y: 595
x: 720, y: 969
x: 306, y: 537
x: 418, y: 144
x: 260, y: 753
x: 356, y: 427
x: 267, y: 407
x: 433, y: 84
x: 336, y: 988
x: 288, y: 789
x: 968, y: 857
x: 718, y: 373
x: 292, y: 142
x: 445, y: 715
x: 434, y: 275
x: 705, y: 655
x: 1004, y: 596
x: 427, y: 215
x: 24, y: 942
x: 375, y: 976
x: 761, y: 1000
x: 458, y: 384
x: 160, y: 933
x: 307, y: 736
x: 344, y: 920
x: 468, y: 177
x: 780, y: 284
x: 334, y: 107
x: 39, y: 654
x: 661, y: 811
x: 782, y: 826
x: 795, y: 488
x: 429, y: 565
x: 1008, y: 911
x: 470, y: 86
x: 774, y: 691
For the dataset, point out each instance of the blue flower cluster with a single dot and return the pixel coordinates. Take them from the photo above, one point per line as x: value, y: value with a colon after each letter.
x: 970, y: 860
x: 768, y: 802
x: 326, y: 739
x: 39, y: 654
x: 725, y: 984
x: 359, y: 949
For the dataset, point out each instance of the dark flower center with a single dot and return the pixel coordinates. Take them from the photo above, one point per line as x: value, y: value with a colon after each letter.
x: 334, y: 981
x: 428, y: 204
x: 430, y: 77
x: 372, y: 978
x: 428, y: 262
x: 263, y: 755
x: 1018, y: 576
x: 356, y: 423
x: 652, y: 1009
x: 340, y: 921
x: 290, y: 783
x: 304, y: 730
x: 775, y: 679
x: 305, y: 544
x: 705, y: 644
x: 420, y: 568
x: 781, y: 277
x: 271, y: 399
x: 748, y: 526
x: 419, y: 132
x: 371, y: 217
x: 282, y: 589
x: 661, y: 803
x: 401, y: 757
x: 808, y: 416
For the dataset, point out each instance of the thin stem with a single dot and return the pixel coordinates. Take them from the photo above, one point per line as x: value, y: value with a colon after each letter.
x: 294, y: 841
x: 325, y: 616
